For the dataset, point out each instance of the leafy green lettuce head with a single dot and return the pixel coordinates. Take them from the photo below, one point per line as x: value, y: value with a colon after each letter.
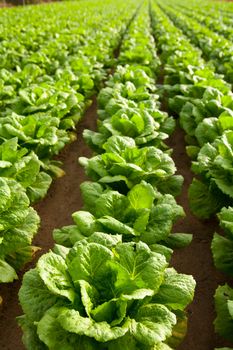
x: 124, y: 164
x: 222, y: 246
x: 25, y: 167
x: 224, y: 309
x: 214, y: 166
x: 18, y: 224
x: 103, y: 294
x: 143, y: 214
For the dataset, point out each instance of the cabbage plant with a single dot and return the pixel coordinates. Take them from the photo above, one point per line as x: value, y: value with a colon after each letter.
x: 104, y: 294
x: 143, y: 214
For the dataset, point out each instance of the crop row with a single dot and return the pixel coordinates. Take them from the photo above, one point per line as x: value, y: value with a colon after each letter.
x: 203, y: 101
x: 214, y: 46
x: 214, y: 21
x: 107, y: 284
x: 222, y: 26
x: 45, y: 90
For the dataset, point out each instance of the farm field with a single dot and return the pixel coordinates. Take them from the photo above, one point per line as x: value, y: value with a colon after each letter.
x: 116, y: 176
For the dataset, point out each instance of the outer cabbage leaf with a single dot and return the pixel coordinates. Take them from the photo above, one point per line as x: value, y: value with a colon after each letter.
x: 223, y: 305
x: 204, y: 200
x: 52, y: 270
x: 153, y: 324
x: 176, y: 291
x: 18, y: 225
x: 34, y: 297
x: 222, y: 247
x: 51, y: 332
x: 73, y: 322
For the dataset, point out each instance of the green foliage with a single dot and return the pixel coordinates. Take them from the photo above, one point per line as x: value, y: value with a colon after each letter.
x: 128, y: 164
x: 103, y: 291
x: 224, y: 309
x: 222, y: 246
x: 18, y: 225
x: 143, y: 214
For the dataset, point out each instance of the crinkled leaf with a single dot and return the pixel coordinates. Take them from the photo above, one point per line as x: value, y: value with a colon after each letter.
x: 73, y: 322
x: 30, y: 337
x: 111, y: 203
x: 226, y: 221
x: 113, y: 225
x: 141, y: 196
x: 38, y: 189
x: 89, y: 264
x: 35, y: 298
x: 222, y: 250
x: 53, y: 271
x: 117, y: 144
x: 176, y: 291
x: 7, y: 272
x: 105, y: 239
x: 153, y: 324
x: 224, y: 321
x: 90, y: 193
x: 51, y: 331
x: 112, y: 311
x: 137, y: 268
x: 85, y: 221
x: 178, y: 240
x: 67, y: 235
x: 202, y: 202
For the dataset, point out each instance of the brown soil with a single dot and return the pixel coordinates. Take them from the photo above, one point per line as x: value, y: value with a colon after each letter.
x: 64, y: 198
x: 55, y: 211
x: 5, y: 5
x: 196, y: 259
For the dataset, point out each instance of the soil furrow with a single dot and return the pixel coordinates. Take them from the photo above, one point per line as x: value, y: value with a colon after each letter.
x: 196, y: 259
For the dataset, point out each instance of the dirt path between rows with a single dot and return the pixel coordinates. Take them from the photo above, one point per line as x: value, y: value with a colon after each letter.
x: 55, y: 211
x: 196, y: 260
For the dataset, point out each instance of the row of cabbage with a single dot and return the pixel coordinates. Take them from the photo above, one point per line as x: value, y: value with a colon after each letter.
x: 45, y: 89
x: 215, y: 48
x: 107, y: 284
x: 202, y: 99
x: 225, y: 8
x: 214, y: 20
